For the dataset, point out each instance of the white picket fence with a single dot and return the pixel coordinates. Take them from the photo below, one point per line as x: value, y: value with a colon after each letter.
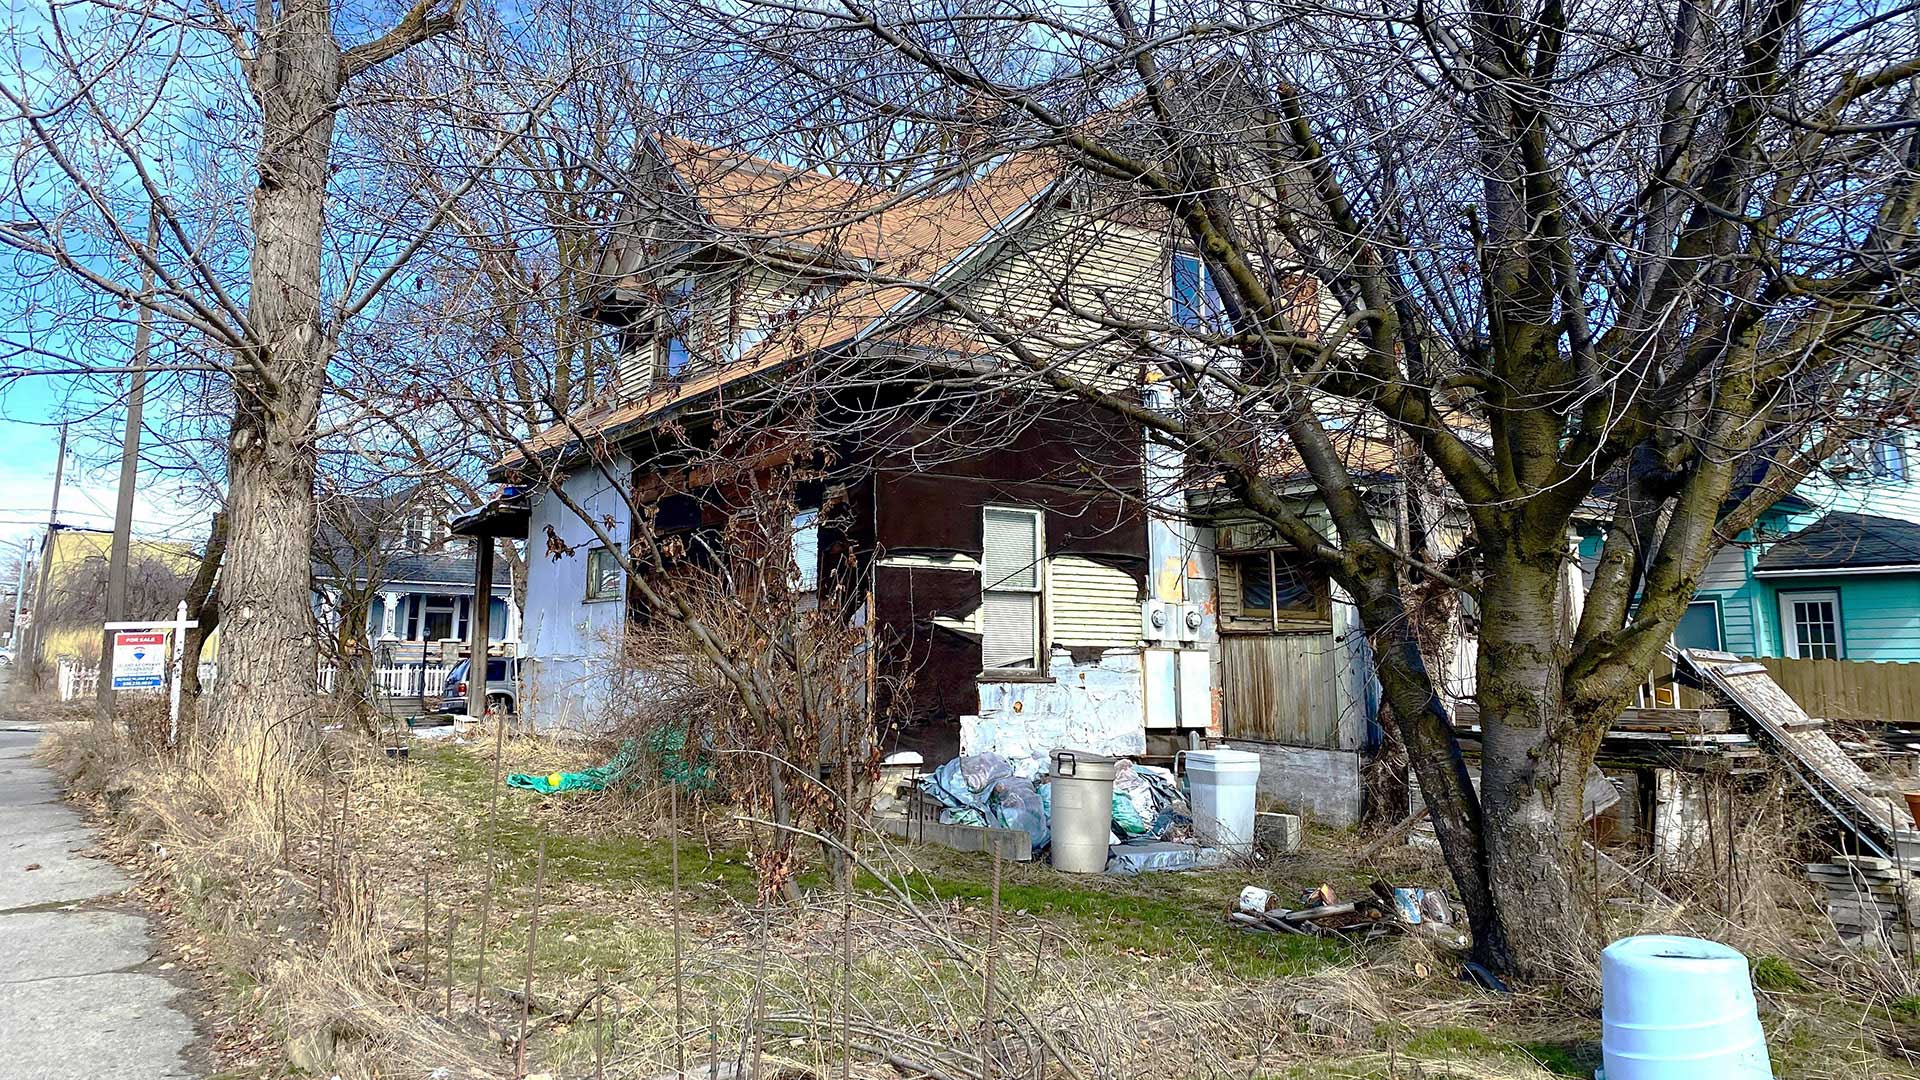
x: 79, y: 681
x: 76, y: 681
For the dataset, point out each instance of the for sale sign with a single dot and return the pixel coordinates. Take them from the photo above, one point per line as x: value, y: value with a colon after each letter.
x: 139, y: 660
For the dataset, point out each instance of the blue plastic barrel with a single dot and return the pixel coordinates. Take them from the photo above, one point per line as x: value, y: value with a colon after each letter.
x: 1679, y: 1008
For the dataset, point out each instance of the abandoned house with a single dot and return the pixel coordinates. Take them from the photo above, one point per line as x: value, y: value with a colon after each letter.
x: 1046, y: 576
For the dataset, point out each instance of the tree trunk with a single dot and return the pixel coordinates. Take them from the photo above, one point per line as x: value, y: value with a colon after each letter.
x: 266, y: 687
x: 1534, y: 764
x: 203, y: 609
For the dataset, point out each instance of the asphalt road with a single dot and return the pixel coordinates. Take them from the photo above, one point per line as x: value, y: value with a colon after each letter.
x: 80, y: 996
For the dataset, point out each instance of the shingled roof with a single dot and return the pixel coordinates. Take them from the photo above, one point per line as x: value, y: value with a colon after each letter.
x: 1842, y: 543
x: 755, y: 204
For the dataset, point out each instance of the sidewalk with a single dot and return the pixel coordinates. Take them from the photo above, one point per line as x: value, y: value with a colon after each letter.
x: 79, y: 997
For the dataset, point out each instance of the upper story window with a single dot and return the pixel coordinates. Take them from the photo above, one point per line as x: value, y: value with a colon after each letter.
x: 423, y: 527
x: 1196, y: 302
x: 1887, y: 459
x: 1010, y: 589
x: 676, y: 322
x: 806, y: 551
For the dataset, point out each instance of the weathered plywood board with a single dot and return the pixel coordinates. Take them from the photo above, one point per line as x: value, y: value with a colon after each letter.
x: 1282, y: 688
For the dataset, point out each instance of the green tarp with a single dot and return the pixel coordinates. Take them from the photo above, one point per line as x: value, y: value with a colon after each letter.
x: 667, y: 745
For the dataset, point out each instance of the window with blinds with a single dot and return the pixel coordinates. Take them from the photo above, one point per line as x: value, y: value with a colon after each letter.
x: 1010, y: 583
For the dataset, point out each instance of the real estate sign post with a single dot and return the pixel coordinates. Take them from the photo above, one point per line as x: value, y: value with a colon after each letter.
x: 140, y: 654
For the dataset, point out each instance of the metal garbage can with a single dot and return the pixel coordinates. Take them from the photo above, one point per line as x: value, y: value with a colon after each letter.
x: 1082, y: 822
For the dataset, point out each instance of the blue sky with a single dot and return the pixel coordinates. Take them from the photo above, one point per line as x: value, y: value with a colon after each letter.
x: 30, y: 411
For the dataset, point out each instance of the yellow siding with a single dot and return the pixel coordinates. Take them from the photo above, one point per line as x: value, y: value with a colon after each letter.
x: 72, y: 548
x: 1090, y: 604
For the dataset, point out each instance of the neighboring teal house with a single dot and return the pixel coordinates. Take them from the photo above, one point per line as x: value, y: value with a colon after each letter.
x: 1832, y: 571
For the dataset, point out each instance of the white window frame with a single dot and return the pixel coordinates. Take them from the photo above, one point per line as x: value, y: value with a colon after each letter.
x: 1719, y: 622
x: 619, y: 576
x: 1037, y: 591
x: 1204, y: 275
x: 1790, y: 641
x: 804, y: 541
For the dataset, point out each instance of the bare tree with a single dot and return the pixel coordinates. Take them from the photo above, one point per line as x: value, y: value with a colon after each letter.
x: 1638, y: 265
x: 221, y: 123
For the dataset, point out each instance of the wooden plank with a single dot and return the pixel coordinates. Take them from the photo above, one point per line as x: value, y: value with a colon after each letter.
x: 1836, y: 778
x: 1707, y: 721
x: 1281, y: 688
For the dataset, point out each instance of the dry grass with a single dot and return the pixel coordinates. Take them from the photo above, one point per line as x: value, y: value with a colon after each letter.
x: 313, y: 935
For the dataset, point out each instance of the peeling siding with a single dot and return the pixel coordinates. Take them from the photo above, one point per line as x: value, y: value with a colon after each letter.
x: 1115, y: 269
x: 1098, y: 707
x: 1090, y: 604
x: 567, y: 643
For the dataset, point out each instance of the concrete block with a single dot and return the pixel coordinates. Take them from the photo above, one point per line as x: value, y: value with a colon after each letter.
x: 1322, y: 784
x: 1278, y: 832
x: 1014, y: 844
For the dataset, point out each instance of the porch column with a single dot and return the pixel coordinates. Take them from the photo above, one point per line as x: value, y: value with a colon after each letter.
x: 390, y: 616
x: 478, y: 628
x: 513, y: 621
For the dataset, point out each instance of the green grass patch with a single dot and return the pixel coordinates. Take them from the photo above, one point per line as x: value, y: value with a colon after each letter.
x: 1777, y: 973
x: 1181, y: 916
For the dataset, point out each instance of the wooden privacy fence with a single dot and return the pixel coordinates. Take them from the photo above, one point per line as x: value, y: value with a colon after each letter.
x: 1850, y: 689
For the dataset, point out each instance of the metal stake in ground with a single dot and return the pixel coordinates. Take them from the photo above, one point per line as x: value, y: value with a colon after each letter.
x: 599, y: 1027
x: 493, y: 837
x: 453, y: 927
x: 993, y: 949
x: 426, y: 930
x: 673, y: 902
x: 533, y: 932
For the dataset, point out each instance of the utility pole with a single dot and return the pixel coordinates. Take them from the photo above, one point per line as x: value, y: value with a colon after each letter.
x: 19, y: 595
x: 123, y: 509
x: 39, y: 624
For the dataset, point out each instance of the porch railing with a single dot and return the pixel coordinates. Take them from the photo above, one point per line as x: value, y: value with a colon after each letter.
x: 78, y: 681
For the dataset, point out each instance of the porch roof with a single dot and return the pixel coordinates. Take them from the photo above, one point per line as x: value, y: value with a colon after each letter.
x: 1846, y: 543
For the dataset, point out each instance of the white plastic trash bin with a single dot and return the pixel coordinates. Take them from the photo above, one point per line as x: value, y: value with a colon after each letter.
x: 1679, y: 1008
x: 1221, y: 786
x: 1081, y: 799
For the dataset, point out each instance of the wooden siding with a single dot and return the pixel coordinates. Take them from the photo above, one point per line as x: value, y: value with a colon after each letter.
x: 1108, y: 267
x: 1850, y: 689
x: 1282, y: 688
x: 1090, y: 604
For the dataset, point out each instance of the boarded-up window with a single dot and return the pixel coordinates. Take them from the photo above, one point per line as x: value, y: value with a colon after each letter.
x: 1010, y: 589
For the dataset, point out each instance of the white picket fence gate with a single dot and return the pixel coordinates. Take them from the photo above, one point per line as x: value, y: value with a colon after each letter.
x: 79, y: 681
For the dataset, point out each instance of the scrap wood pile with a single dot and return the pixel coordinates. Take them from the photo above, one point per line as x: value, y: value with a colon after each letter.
x: 1388, y: 911
x: 1869, y: 899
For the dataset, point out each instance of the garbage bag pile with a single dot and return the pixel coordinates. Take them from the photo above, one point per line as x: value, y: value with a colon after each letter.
x: 989, y: 790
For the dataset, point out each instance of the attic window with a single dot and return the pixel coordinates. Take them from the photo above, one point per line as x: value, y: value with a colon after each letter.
x: 1196, y: 302
x: 674, y: 357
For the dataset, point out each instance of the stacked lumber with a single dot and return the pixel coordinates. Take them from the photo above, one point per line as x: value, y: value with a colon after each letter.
x: 1870, y: 900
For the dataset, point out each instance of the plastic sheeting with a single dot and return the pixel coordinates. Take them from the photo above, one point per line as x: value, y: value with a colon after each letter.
x: 989, y: 790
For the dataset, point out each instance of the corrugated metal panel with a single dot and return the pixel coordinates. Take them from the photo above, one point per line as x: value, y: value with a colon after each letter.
x: 1281, y: 688
x: 1090, y: 604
